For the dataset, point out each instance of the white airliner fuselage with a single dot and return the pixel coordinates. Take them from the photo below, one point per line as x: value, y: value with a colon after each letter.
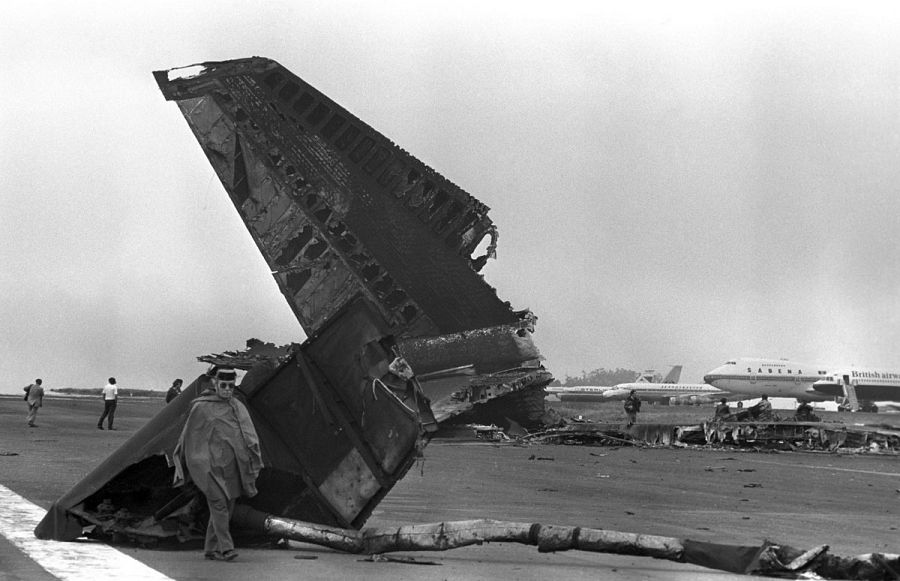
x: 597, y: 393
x: 645, y: 387
x: 783, y: 378
x: 672, y: 392
x: 578, y: 392
x: 772, y: 377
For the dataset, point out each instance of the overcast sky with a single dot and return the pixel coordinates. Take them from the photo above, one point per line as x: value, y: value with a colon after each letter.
x: 673, y: 184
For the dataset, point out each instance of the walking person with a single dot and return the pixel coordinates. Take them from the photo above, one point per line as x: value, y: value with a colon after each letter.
x: 632, y: 407
x: 110, y: 400
x: 174, y: 390
x: 220, y: 448
x: 34, y: 395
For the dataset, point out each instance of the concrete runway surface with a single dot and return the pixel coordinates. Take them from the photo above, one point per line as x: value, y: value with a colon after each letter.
x: 850, y: 502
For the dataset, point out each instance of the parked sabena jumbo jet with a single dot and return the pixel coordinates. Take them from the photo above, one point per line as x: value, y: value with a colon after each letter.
x: 854, y: 387
x: 648, y: 385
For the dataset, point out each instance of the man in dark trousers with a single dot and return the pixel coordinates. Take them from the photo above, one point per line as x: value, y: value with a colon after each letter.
x: 110, y: 401
x: 220, y: 448
x: 34, y: 395
x: 632, y: 407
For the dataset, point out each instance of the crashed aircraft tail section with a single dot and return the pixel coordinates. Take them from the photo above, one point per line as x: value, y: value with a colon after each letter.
x: 373, y: 251
x: 339, y: 211
x: 335, y: 207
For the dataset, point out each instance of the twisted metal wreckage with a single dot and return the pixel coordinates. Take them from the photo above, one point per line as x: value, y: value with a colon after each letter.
x: 770, y: 435
x: 373, y: 251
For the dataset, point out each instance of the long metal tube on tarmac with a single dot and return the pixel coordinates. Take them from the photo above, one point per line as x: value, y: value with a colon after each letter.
x: 767, y: 559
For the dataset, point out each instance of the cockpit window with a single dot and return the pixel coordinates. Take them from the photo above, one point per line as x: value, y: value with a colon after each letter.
x: 730, y: 363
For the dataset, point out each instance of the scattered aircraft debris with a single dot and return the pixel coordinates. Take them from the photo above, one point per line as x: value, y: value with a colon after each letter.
x: 375, y: 253
x: 786, y: 435
x: 803, y: 436
x: 583, y: 433
x: 396, y: 559
x: 492, y: 433
x: 336, y: 426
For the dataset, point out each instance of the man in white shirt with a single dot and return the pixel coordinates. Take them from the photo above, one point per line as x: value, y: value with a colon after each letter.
x: 110, y: 399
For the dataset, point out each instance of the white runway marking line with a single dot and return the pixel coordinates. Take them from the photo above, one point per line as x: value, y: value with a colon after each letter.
x: 77, y: 561
x: 817, y: 467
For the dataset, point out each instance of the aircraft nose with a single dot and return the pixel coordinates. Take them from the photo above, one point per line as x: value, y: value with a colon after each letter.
x: 714, y: 375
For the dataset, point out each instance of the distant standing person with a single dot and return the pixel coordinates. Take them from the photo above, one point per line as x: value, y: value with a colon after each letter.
x: 110, y: 400
x: 34, y: 395
x: 174, y: 390
x: 764, y: 409
x: 722, y: 410
x: 805, y: 413
x: 632, y: 407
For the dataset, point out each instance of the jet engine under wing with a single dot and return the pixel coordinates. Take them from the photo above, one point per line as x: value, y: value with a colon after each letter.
x: 335, y: 207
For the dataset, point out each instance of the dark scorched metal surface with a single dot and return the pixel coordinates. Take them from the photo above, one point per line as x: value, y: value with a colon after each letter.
x: 373, y: 251
x: 338, y: 210
x: 336, y: 429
